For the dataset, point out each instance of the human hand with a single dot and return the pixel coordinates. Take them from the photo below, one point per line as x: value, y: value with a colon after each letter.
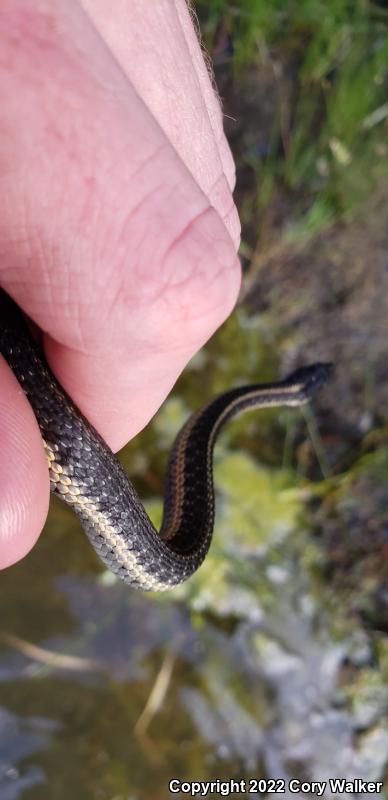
x: 118, y: 232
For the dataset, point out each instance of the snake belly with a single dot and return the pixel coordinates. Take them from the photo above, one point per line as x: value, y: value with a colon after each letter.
x: 86, y: 474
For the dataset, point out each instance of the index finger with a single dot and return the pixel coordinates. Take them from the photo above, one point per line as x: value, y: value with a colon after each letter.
x: 107, y: 241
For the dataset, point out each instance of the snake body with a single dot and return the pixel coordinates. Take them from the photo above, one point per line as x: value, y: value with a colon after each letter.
x: 86, y: 474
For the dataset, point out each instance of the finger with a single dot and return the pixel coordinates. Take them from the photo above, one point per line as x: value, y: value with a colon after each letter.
x: 213, y: 104
x: 24, y: 482
x: 157, y: 47
x: 106, y: 239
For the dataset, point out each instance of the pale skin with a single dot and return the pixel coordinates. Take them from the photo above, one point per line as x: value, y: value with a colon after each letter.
x: 118, y: 231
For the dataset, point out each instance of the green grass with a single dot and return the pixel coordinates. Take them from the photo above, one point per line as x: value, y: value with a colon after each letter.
x: 334, y: 148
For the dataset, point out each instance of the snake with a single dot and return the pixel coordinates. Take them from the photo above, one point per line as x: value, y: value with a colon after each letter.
x: 86, y: 474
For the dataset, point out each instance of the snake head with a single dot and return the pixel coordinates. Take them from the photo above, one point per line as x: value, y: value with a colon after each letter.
x: 310, y: 379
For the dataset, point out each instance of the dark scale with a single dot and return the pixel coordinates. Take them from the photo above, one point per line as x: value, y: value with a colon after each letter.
x: 119, y: 527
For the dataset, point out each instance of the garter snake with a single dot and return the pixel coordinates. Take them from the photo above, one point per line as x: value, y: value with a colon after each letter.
x: 85, y: 473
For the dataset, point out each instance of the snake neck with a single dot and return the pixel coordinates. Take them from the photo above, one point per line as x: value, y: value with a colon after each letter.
x: 188, y: 516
